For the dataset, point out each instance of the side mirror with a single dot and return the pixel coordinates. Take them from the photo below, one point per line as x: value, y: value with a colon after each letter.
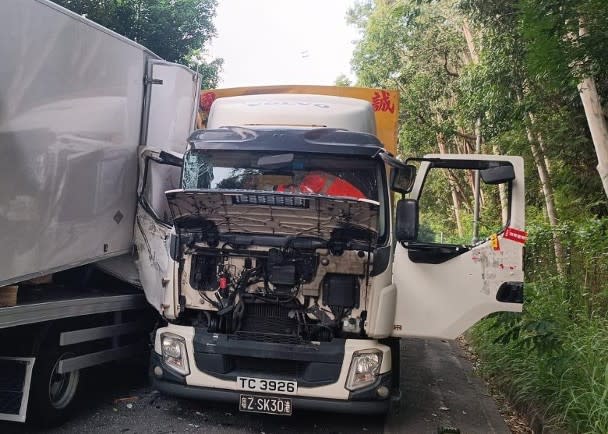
x: 402, y: 179
x: 497, y: 175
x: 406, y: 226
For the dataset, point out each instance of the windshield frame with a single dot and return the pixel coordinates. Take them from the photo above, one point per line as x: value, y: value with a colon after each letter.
x: 381, y: 187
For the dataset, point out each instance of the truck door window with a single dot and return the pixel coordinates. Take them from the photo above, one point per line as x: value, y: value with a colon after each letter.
x: 160, y: 178
x: 447, y: 204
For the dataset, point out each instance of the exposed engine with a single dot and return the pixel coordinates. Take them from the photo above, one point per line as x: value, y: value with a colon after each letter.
x: 274, y: 266
x: 307, y: 290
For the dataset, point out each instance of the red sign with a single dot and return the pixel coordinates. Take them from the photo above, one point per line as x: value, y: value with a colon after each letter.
x: 381, y: 101
x: 516, y: 235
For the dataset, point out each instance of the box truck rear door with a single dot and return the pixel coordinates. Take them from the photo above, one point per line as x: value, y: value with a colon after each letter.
x: 172, y: 96
x: 447, y: 277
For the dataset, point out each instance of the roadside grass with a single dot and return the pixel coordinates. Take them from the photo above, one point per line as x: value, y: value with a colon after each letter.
x: 553, y: 358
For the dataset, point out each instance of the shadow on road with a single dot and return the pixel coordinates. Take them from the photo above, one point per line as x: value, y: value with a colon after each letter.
x: 117, y: 398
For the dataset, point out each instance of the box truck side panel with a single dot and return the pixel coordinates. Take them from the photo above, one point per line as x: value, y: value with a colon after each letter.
x: 71, y: 96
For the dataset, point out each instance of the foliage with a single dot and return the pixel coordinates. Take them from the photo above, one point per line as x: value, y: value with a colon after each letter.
x: 343, y: 80
x: 555, y: 355
x: 416, y: 48
x: 517, y: 76
x: 176, y: 30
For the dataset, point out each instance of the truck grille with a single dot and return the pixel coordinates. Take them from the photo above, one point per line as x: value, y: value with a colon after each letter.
x: 265, y: 318
x: 268, y: 337
x: 266, y: 355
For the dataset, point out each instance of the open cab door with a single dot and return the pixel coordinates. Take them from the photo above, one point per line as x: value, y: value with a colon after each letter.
x: 172, y: 102
x: 447, y: 279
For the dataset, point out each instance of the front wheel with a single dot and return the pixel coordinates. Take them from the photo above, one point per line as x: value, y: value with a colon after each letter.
x: 52, y: 395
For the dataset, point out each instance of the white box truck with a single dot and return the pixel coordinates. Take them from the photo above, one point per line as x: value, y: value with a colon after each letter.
x: 77, y: 102
x: 290, y: 261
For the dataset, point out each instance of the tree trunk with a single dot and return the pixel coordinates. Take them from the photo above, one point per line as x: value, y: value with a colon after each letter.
x: 452, y: 183
x: 595, y: 120
x: 502, y: 194
x: 504, y: 203
x: 468, y: 36
x: 477, y: 186
x: 541, y: 142
x: 597, y: 126
x: 545, y: 182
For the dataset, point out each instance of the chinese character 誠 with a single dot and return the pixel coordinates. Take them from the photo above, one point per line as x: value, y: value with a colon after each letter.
x: 381, y: 101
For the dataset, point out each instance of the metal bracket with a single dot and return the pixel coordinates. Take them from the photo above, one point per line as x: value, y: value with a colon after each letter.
x: 152, y: 80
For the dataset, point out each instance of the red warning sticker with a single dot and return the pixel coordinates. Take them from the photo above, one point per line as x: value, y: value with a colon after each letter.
x: 516, y: 235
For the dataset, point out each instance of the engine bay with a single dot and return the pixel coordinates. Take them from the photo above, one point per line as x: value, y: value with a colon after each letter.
x: 247, y: 270
x: 295, y: 293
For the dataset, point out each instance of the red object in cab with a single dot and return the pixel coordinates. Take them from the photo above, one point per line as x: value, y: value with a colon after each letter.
x: 323, y: 183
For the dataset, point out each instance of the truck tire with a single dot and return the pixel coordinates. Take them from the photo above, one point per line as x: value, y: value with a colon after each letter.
x: 52, y: 395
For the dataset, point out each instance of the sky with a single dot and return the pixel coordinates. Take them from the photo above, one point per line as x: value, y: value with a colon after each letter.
x: 266, y: 42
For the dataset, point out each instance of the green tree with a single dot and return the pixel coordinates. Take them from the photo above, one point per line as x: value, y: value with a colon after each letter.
x: 418, y: 48
x: 343, y: 80
x: 176, y: 30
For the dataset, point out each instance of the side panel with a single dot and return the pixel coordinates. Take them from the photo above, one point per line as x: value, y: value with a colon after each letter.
x: 71, y: 95
x: 153, y: 231
x: 444, y: 299
x: 171, y: 111
x: 172, y: 106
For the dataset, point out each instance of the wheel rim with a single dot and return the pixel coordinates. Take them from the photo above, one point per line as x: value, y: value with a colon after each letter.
x: 62, y: 387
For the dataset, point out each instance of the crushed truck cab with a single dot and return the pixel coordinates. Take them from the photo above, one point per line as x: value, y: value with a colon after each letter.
x: 283, y: 270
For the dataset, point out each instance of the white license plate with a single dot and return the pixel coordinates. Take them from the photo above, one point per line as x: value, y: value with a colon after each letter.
x: 265, y: 385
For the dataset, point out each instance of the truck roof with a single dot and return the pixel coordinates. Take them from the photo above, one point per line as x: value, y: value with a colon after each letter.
x: 293, y: 111
x: 319, y: 140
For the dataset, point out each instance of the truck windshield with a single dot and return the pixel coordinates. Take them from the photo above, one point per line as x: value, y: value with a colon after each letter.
x: 301, y: 173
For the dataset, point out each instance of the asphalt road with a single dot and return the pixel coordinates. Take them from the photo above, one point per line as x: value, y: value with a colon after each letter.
x: 440, y: 394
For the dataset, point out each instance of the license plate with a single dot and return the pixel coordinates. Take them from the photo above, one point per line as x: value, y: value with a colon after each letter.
x: 265, y: 404
x: 265, y: 385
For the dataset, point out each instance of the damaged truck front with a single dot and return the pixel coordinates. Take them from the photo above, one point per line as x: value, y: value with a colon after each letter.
x: 273, y: 262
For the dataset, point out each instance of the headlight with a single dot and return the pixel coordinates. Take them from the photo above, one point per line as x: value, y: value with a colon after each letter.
x: 364, y: 369
x: 174, y: 351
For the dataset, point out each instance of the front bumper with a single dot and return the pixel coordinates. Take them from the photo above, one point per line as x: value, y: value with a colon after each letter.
x: 216, y: 363
x: 363, y: 401
x: 299, y: 403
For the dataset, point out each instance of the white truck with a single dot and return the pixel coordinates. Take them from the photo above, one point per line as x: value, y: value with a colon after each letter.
x: 287, y: 273
x: 77, y: 103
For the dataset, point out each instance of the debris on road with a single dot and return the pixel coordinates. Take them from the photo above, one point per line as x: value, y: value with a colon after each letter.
x: 126, y: 399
